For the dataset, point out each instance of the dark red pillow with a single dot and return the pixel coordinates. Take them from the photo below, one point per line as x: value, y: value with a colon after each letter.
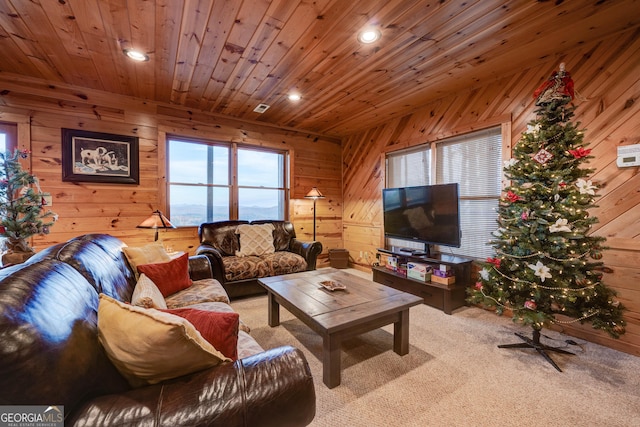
x: 171, y: 276
x: 219, y: 329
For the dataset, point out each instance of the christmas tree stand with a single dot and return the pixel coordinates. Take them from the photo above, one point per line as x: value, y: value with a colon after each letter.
x: 540, y: 348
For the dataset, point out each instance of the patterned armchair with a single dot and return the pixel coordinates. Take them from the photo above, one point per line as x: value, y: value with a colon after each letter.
x: 241, y: 252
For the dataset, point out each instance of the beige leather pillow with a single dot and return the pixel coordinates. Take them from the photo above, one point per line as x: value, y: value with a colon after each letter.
x: 146, y: 294
x: 152, y: 253
x: 148, y: 346
x: 255, y: 239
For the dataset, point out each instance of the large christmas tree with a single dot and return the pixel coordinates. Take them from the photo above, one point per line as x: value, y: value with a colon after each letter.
x: 546, y: 269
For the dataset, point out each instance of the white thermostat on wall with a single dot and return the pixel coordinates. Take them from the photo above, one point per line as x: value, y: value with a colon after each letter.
x: 628, y: 155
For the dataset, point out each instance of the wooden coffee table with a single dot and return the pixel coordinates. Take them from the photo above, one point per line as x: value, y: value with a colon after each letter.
x: 337, y: 315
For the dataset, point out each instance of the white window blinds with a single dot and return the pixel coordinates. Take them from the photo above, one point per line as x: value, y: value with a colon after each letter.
x: 475, y: 162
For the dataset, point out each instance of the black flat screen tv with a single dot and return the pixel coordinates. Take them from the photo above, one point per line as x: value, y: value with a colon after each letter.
x: 427, y: 214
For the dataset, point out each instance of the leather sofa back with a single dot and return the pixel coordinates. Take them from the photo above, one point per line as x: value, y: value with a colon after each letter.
x: 222, y: 234
x: 49, y: 348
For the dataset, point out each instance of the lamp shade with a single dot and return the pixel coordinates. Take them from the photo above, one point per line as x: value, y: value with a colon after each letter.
x: 314, y: 193
x: 156, y: 221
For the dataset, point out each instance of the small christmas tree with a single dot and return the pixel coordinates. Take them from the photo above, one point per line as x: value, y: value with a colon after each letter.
x: 546, y: 262
x: 22, y: 212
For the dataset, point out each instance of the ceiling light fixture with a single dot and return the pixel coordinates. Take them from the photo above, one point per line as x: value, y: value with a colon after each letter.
x: 136, y: 55
x: 369, y: 35
x: 294, y: 97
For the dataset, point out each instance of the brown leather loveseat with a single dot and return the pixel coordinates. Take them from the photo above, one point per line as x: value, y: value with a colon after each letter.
x: 239, y: 273
x: 50, y: 353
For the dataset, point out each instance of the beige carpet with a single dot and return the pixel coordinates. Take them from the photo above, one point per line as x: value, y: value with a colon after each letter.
x: 454, y: 374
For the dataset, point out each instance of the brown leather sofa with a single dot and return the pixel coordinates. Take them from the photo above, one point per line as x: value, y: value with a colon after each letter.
x: 50, y: 353
x: 239, y: 276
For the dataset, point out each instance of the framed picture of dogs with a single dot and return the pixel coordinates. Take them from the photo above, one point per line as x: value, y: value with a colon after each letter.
x: 99, y: 157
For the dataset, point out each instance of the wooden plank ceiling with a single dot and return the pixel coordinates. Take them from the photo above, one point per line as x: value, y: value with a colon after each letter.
x: 228, y: 56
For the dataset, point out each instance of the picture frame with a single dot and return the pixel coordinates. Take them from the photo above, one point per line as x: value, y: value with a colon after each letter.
x: 99, y: 157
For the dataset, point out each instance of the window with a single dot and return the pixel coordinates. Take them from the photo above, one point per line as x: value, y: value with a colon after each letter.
x: 217, y: 181
x: 474, y: 161
x: 8, y: 137
x: 8, y: 143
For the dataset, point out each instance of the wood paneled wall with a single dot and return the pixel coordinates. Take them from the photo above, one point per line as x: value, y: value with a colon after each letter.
x: 42, y: 110
x: 607, y: 80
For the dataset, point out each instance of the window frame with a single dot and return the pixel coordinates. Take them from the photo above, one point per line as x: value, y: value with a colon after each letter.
x: 232, y: 179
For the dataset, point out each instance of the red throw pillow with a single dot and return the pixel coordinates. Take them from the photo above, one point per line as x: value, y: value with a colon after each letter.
x: 219, y: 329
x: 171, y: 276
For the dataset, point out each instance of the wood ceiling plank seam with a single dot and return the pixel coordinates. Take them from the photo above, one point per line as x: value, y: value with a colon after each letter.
x: 560, y: 33
x: 168, y: 18
x: 8, y: 46
x: 116, y: 36
x: 335, y: 16
x: 211, y: 60
x: 65, y: 28
x: 400, y: 58
x: 286, y: 38
x: 253, y: 31
x: 391, y: 45
x: 142, y: 21
x: 270, y: 23
x: 192, y: 30
x: 25, y: 41
x: 92, y: 21
x: 326, y: 44
x: 11, y: 60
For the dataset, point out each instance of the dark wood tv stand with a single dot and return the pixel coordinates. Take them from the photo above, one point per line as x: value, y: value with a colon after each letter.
x: 443, y: 297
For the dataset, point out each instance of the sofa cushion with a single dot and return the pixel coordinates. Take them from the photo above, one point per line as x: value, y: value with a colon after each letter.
x: 148, y: 254
x: 218, y: 328
x: 146, y: 294
x: 248, y: 267
x: 148, y: 346
x: 283, y: 262
x: 203, y: 290
x: 255, y: 240
x: 171, y: 276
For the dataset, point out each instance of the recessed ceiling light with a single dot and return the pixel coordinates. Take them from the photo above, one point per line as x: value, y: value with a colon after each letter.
x: 294, y: 97
x: 136, y: 55
x: 369, y: 35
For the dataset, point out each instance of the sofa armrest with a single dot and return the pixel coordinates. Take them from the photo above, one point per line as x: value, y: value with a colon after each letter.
x: 199, y: 267
x: 308, y: 250
x: 215, y: 259
x: 272, y: 388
